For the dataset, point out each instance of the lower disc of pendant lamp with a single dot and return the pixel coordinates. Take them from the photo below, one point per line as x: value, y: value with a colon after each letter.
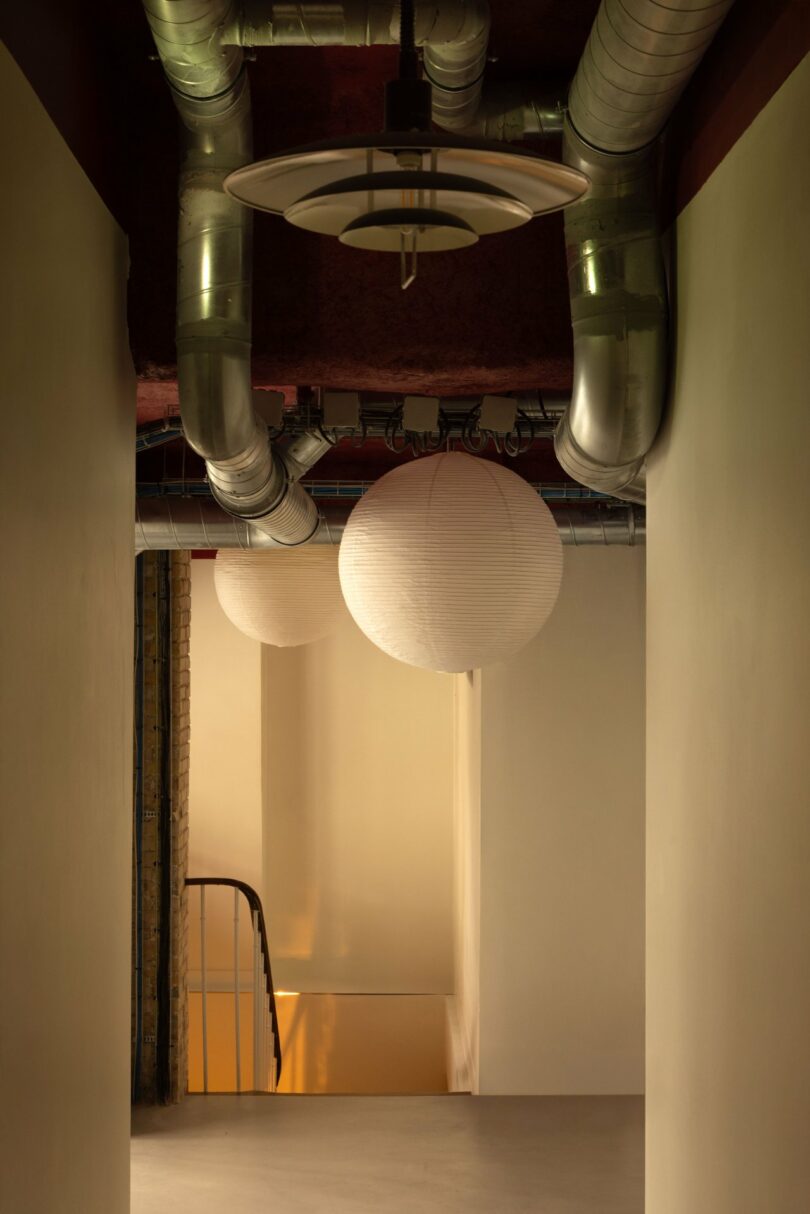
x: 422, y: 229
x: 333, y: 208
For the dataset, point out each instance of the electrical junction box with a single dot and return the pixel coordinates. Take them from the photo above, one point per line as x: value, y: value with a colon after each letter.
x: 340, y: 410
x: 498, y: 414
x: 420, y: 414
x: 269, y: 406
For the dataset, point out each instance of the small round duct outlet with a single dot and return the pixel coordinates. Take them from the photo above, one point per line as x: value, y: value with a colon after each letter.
x: 451, y: 562
x: 407, y: 192
x: 283, y: 598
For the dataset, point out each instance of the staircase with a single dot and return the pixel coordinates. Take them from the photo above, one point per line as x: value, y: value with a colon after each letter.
x: 239, y: 1048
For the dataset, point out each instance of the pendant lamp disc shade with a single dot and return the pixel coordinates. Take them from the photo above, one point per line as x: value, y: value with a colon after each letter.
x: 451, y: 562
x: 326, y: 187
x: 284, y: 598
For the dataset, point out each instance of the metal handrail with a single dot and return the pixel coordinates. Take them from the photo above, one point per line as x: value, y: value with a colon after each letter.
x: 255, y: 904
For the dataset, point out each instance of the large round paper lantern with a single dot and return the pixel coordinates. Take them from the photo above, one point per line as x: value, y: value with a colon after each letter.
x: 284, y: 597
x: 451, y: 562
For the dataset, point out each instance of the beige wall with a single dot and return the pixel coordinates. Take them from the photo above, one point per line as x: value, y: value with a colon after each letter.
x: 463, y: 1005
x: 225, y: 827
x: 66, y: 707
x: 728, y: 861
x: 225, y: 790
x: 562, y: 843
x: 357, y: 818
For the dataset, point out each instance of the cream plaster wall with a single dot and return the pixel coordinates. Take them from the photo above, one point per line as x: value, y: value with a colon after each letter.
x: 358, y: 795
x: 728, y: 661
x: 225, y: 786
x: 66, y: 691
x: 463, y: 1005
x: 562, y: 843
x: 225, y: 826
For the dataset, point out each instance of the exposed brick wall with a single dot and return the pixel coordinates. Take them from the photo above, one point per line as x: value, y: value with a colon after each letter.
x: 145, y: 1085
x: 181, y: 733
x: 161, y: 778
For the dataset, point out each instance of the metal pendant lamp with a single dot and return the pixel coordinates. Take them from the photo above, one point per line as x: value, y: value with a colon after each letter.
x: 407, y: 190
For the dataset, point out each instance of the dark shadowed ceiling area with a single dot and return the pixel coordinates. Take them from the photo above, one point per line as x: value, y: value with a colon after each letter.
x: 491, y: 318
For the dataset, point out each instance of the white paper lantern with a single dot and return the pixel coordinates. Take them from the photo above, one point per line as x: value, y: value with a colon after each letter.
x: 451, y: 562
x: 284, y: 597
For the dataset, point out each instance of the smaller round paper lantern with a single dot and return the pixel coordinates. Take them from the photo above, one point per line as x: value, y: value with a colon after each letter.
x: 451, y: 562
x: 285, y: 597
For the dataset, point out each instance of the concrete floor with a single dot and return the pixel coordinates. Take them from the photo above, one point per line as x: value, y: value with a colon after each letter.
x: 390, y: 1155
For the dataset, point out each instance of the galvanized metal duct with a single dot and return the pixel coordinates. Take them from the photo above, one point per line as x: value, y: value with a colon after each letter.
x: 453, y: 33
x: 192, y: 523
x: 199, y: 523
x: 200, y: 45
x: 214, y: 276
x: 618, y: 295
x: 638, y: 59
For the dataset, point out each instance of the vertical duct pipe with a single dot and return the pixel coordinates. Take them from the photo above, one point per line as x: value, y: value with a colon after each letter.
x: 210, y: 91
x: 638, y: 59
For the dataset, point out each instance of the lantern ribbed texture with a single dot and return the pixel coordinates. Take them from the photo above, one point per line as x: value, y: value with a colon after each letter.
x: 284, y: 598
x: 451, y: 562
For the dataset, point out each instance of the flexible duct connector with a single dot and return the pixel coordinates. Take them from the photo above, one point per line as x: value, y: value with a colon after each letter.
x: 214, y: 273
x: 453, y: 33
x: 199, y: 523
x: 638, y: 59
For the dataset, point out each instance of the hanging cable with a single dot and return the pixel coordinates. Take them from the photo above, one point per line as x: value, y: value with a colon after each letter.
x: 408, y: 59
x: 521, y: 437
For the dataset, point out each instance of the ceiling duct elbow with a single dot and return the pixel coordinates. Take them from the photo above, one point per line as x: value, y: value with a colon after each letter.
x: 617, y: 288
x: 188, y: 37
x: 637, y: 61
x: 454, y: 36
x: 214, y: 274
